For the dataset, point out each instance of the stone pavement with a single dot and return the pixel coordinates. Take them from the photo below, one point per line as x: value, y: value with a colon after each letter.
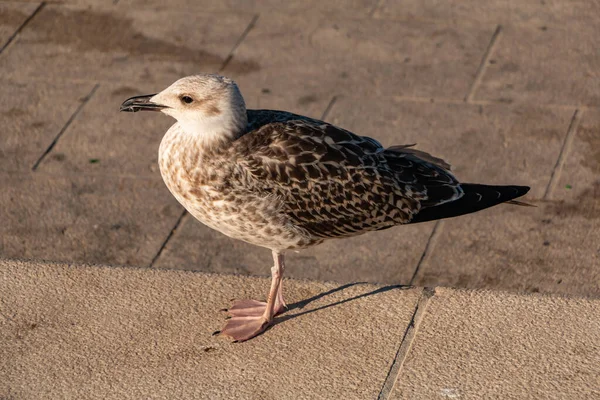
x: 71, y: 331
x: 508, y: 92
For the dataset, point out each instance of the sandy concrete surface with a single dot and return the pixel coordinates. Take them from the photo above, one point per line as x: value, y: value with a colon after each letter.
x: 71, y: 331
x: 494, y: 345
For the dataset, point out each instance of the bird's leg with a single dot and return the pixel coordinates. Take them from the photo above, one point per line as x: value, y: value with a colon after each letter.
x: 250, y: 317
x: 276, y: 297
x: 280, y: 305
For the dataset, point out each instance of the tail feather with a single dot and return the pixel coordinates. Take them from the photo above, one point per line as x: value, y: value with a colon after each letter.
x: 475, y: 198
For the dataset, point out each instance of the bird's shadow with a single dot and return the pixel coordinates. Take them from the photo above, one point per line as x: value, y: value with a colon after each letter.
x: 303, y: 303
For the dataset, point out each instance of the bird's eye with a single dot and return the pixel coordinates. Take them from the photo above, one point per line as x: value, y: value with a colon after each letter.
x: 187, y: 99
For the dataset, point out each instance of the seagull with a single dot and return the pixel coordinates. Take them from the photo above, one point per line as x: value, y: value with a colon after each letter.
x: 287, y: 182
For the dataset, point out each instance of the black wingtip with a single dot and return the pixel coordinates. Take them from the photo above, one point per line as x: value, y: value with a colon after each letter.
x: 476, y: 197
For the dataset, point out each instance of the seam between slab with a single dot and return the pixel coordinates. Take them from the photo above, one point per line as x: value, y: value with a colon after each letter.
x: 441, y: 100
x: 86, y: 99
x: 482, y: 67
x: 53, y: 174
x: 23, y: 25
x: 435, y: 233
x: 169, y: 236
x: 405, y: 344
x: 328, y: 108
x: 564, y: 151
x: 239, y: 42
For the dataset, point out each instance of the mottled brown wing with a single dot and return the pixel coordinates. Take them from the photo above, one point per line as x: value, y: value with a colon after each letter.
x: 334, y: 183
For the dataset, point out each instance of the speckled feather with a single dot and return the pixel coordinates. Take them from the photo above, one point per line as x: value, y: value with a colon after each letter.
x: 292, y: 181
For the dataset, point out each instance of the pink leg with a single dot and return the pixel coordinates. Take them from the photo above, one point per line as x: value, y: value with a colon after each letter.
x: 250, y: 317
x: 280, y: 305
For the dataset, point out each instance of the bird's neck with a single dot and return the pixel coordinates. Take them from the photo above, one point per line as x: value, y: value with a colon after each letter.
x: 214, y: 131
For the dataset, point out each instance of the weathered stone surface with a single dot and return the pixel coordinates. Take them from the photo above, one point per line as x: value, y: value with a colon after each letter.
x: 87, y: 219
x: 308, y: 56
x: 532, y: 12
x: 352, y: 8
x: 552, y: 248
x: 487, y: 345
x: 94, y: 332
x: 579, y: 183
x: 33, y: 115
x: 103, y: 140
x: 124, y: 44
x: 12, y: 16
x: 544, y: 65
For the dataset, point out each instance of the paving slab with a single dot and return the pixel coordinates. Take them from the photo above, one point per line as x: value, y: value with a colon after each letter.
x: 489, y: 345
x: 579, y: 180
x: 85, y: 332
x: 101, y: 139
x: 34, y: 114
x: 12, y: 16
x: 555, y: 12
x: 544, y: 65
x: 308, y: 56
x: 84, y: 218
x: 120, y: 43
x: 552, y: 248
x: 294, y: 7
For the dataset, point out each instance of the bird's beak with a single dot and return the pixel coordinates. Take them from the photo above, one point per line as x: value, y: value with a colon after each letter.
x: 139, y: 103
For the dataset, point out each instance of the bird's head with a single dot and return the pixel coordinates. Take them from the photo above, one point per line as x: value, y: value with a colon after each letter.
x: 208, y: 106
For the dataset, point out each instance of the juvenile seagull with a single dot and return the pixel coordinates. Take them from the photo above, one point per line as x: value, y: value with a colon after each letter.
x: 285, y: 181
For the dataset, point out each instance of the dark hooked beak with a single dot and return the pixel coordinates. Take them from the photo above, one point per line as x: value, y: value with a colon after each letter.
x: 139, y: 103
